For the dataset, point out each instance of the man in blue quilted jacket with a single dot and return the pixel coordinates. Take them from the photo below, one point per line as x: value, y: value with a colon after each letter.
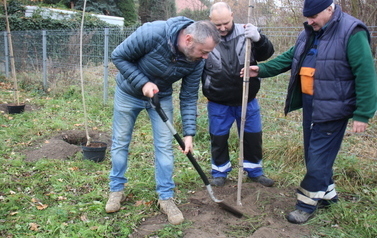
x: 150, y: 60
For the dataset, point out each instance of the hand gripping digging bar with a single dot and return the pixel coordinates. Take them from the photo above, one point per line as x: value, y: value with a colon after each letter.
x: 155, y: 102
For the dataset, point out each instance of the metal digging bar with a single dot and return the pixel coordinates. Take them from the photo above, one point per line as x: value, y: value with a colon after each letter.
x: 155, y: 102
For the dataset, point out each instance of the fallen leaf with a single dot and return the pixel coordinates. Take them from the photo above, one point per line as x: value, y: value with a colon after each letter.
x: 42, y: 206
x: 84, y: 218
x: 33, y: 226
x: 148, y: 203
x: 34, y: 200
x: 139, y: 203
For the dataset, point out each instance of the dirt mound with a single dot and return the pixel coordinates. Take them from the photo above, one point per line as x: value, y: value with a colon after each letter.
x: 63, y: 145
x: 264, y: 212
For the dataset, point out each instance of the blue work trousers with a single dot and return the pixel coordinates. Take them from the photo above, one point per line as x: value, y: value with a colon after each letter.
x: 322, y: 142
x: 221, y: 118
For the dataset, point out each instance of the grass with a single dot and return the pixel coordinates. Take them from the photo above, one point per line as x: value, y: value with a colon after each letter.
x: 66, y: 198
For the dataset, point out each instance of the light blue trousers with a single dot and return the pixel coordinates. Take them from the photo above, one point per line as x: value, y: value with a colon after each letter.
x: 126, y: 110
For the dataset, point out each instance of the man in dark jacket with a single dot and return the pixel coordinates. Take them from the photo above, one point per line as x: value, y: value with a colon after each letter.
x: 223, y: 88
x: 150, y: 60
x: 333, y: 79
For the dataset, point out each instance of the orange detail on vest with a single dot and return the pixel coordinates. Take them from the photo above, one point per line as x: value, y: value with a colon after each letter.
x: 307, y: 80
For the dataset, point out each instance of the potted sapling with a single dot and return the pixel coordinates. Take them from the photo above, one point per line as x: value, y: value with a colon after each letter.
x: 92, y: 150
x: 16, y: 106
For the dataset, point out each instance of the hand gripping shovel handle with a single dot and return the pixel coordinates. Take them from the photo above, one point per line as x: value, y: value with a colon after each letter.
x: 155, y: 102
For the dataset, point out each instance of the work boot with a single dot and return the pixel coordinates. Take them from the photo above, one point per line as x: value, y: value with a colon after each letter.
x: 324, y: 204
x: 168, y: 207
x: 218, y: 181
x: 113, y: 204
x: 263, y: 180
x: 299, y: 216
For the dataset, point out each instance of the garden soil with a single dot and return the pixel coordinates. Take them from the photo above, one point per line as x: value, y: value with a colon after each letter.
x: 264, y: 208
x: 264, y: 212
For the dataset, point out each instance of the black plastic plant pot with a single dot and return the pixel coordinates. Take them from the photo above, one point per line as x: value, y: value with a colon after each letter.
x: 96, y: 151
x: 15, y: 108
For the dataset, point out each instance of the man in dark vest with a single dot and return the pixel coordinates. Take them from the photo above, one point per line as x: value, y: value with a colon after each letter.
x: 223, y: 88
x: 333, y: 79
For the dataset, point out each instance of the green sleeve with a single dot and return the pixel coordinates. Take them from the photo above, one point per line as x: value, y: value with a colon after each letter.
x: 278, y: 65
x: 361, y: 61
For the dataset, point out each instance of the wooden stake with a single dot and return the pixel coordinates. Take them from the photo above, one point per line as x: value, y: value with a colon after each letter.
x: 245, y: 95
x: 88, y: 139
x: 11, y: 56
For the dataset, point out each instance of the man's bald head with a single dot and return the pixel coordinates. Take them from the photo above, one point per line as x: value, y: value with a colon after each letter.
x: 221, y: 15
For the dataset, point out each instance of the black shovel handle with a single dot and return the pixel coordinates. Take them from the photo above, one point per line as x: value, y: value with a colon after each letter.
x: 155, y: 102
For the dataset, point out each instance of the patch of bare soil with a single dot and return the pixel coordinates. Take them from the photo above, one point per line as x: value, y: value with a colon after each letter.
x: 63, y: 145
x: 264, y: 212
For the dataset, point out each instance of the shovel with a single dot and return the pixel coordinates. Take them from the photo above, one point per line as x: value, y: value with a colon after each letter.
x: 155, y: 102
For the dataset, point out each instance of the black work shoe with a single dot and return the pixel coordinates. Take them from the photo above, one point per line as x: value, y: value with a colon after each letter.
x: 218, y: 181
x: 299, y: 216
x: 263, y: 180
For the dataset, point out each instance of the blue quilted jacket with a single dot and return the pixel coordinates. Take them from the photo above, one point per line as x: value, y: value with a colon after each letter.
x: 150, y: 55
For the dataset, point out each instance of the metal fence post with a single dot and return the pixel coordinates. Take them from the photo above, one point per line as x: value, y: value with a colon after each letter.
x: 44, y: 59
x: 6, y: 54
x: 106, y: 66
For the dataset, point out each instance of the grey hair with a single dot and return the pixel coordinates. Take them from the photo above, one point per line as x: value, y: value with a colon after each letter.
x: 219, y: 5
x: 333, y: 6
x: 201, y: 30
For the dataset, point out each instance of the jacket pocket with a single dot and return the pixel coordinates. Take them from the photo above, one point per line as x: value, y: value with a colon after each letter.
x: 307, y: 80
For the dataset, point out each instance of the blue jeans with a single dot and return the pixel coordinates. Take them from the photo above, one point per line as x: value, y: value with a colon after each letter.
x: 126, y: 110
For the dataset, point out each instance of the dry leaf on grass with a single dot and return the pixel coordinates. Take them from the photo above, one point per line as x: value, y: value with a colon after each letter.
x: 33, y: 226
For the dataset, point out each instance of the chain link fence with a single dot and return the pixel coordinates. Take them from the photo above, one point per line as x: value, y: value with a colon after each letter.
x: 53, y: 57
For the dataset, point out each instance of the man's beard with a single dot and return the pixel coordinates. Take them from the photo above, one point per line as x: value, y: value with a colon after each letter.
x: 187, y: 52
